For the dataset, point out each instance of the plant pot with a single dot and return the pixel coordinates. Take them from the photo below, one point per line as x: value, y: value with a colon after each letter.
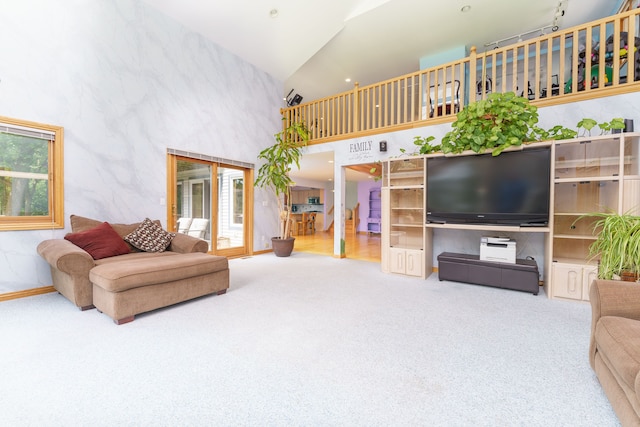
x: 628, y: 276
x: 282, y: 247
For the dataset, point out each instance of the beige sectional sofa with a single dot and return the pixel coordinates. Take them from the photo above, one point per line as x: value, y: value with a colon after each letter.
x: 614, y: 351
x: 134, y: 282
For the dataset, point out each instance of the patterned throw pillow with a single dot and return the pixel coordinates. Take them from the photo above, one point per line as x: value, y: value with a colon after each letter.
x: 149, y: 237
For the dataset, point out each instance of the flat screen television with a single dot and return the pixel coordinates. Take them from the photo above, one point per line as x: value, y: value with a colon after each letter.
x: 509, y: 189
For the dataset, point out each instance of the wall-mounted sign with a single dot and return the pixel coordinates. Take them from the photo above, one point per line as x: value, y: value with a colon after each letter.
x: 360, y: 152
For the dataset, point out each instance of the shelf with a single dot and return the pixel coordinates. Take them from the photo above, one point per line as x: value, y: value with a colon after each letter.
x: 414, y: 225
x: 570, y: 213
x: 487, y: 227
x: 402, y: 208
x: 406, y: 187
x: 410, y: 247
x: 585, y: 214
x: 587, y: 179
x: 582, y: 163
x: 577, y: 261
x: 575, y: 237
x: 408, y: 173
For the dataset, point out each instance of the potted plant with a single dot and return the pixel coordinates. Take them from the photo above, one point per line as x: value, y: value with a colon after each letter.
x: 274, y: 174
x: 617, y: 245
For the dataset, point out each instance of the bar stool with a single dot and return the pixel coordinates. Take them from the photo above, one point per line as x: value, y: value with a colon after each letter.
x: 310, y: 223
x: 301, y: 224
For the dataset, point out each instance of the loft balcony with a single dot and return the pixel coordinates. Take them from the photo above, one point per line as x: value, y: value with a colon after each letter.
x: 596, y: 59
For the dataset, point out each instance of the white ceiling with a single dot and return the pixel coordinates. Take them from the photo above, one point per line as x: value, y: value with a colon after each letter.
x: 312, y: 46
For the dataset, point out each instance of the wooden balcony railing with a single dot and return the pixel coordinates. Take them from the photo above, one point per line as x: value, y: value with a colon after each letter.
x: 549, y: 69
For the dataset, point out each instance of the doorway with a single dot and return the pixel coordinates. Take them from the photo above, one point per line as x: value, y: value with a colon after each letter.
x: 363, y: 241
x: 209, y: 200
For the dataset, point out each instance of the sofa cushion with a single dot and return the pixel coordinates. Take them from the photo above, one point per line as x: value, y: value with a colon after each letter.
x: 100, y: 242
x: 135, y: 273
x: 149, y: 237
x: 134, y: 255
x: 618, y: 340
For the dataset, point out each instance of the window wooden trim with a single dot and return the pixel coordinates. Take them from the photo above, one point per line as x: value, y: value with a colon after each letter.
x: 55, y: 219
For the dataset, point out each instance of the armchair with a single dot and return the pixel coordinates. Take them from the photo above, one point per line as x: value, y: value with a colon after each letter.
x: 614, y: 350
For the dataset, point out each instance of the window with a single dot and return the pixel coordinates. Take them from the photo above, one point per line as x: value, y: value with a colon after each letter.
x: 31, y: 175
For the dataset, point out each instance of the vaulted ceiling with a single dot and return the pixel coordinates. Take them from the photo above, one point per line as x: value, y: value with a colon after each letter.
x: 312, y: 46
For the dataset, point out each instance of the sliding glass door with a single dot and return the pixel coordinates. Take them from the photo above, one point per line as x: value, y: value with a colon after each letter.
x: 231, y: 203
x: 208, y: 200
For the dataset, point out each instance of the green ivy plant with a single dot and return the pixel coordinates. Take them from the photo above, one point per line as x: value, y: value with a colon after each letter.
x: 423, y: 145
x: 557, y: 132
x: 500, y: 121
x: 605, y: 127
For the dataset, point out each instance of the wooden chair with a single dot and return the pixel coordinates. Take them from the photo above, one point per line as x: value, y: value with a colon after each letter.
x: 301, y: 224
x: 310, y: 223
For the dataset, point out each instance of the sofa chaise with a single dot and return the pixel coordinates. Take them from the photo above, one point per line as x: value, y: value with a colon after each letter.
x: 614, y: 351
x: 127, y: 281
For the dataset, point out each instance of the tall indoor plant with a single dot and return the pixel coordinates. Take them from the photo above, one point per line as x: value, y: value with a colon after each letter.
x: 617, y: 245
x: 279, y: 159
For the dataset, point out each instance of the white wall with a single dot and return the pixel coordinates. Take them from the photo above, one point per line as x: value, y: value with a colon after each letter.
x: 126, y: 83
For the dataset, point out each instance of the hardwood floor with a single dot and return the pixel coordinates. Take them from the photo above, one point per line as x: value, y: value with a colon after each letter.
x: 361, y: 246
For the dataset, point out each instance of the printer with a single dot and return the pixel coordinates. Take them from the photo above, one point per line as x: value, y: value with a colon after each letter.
x: 498, y: 249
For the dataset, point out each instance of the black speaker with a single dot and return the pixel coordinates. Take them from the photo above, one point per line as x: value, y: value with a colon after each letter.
x: 297, y: 99
x: 383, y: 146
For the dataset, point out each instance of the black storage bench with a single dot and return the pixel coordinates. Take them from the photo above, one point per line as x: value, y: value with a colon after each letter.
x: 521, y: 276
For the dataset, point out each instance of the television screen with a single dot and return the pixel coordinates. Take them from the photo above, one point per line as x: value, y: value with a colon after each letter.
x: 509, y: 189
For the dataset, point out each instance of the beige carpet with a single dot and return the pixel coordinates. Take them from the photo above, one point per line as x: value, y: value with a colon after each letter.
x: 305, y: 341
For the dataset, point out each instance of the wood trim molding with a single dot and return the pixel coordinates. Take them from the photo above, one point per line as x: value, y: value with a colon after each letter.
x: 266, y: 251
x: 27, y: 293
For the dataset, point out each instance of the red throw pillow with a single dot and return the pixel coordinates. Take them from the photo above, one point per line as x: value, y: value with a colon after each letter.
x: 100, y: 242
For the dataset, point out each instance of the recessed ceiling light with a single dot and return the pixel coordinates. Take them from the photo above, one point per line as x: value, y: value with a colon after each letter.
x: 465, y: 8
x: 347, y: 80
x: 273, y: 13
x: 330, y: 161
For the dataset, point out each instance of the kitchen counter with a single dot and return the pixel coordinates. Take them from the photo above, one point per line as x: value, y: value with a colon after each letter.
x: 307, y: 207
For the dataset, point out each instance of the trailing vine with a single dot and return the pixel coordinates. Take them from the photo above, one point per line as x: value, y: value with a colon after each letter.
x: 500, y: 121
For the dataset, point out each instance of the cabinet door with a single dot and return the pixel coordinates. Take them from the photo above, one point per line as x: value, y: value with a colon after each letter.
x: 567, y: 281
x: 589, y: 274
x: 397, y: 258
x: 296, y: 196
x: 414, y: 263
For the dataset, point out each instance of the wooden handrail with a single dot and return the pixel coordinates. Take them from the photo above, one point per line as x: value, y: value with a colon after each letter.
x: 428, y: 96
